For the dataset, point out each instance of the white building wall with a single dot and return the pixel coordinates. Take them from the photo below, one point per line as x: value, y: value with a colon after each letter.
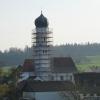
x: 45, y: 96
x: 63, y: 76
x: 27, y: 74
x: 28, y: 95
x: 49, y: 96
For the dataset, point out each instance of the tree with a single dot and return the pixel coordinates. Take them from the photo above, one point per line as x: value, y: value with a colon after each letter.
x: 4, y: 88
x: 1, y: 72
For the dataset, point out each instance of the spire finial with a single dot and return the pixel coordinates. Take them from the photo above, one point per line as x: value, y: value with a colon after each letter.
x: 41, y: 11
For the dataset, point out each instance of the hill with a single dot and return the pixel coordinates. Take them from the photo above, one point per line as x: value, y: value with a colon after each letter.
x: 83, y: 54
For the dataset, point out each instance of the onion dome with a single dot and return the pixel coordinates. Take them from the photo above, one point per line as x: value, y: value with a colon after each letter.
x: 41, y: 21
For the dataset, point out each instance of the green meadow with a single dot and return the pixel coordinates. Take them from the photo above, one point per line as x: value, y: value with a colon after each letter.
x: 93, y: 61
x: 6, y: 69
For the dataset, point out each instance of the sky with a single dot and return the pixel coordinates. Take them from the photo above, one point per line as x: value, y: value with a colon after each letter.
x: 72, y: 21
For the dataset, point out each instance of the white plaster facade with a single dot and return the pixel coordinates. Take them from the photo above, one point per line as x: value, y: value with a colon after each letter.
x: 63, y: 77
x: 44, y: 96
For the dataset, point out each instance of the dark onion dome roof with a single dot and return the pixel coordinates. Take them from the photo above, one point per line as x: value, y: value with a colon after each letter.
x: 41, y: 21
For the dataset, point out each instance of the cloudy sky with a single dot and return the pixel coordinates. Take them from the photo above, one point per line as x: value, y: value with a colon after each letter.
x: 71, y: 20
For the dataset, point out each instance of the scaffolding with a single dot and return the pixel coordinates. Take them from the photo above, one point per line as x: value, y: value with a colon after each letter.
x: 42, y: 48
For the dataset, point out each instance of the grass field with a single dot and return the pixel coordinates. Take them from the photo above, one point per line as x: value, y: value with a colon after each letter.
x: 6, y: 69
x: 92, y: 61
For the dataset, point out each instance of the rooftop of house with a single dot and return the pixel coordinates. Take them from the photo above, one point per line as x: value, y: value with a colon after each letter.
x: 88, y: 75
x: 88, y: 82
x: 63, y: 65
x: 28, y: 65
x: 47, y: 86
x: 58, y: 65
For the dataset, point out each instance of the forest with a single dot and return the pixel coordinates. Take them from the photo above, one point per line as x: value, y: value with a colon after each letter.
x: 79, y: 52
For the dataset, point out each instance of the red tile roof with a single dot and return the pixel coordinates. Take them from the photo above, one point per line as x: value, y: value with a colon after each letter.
x: 58, y: 65
x: 63, y: 65
x: 28, y: 65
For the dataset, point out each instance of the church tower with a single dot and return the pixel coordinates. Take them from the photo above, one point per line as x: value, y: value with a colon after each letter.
x: 42, y: 43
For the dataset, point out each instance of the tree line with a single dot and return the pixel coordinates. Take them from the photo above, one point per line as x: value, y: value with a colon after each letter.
x: 15, y: 56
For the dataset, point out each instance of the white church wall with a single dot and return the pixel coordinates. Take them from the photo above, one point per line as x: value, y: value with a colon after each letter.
x: 44, y: 96
x: 49, y: 96
x: 28, y: 95
x: 63, y: 76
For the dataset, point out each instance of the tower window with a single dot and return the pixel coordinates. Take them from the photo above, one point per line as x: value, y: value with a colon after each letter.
x: 44, y: 51
x: 61, y: 78
x: 44, y: 39
x: 52, y: 78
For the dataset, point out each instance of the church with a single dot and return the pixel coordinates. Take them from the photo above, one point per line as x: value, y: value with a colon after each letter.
x: 44, y: 66
x: 45, y: 77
